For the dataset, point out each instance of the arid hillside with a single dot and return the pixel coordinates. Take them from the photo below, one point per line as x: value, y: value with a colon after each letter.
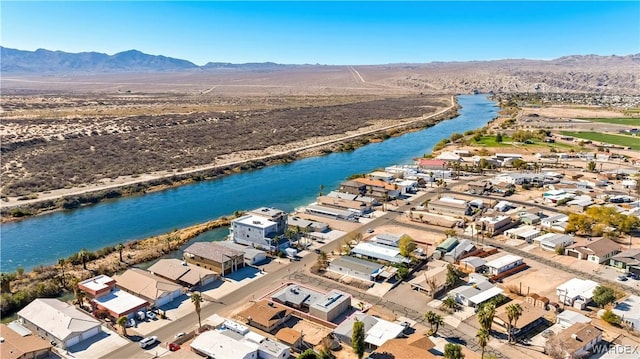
x: 591, y: 73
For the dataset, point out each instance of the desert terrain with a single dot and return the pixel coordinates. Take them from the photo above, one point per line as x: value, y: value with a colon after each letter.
x: 72, y: 133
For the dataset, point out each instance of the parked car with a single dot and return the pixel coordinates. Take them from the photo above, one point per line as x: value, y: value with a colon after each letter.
x: 370, y: 230
x: 622, y: 278
x: 141, y: 315
x: 148, y: 341
x: 173, y: 347
x: 179, y: 335
x: 131, y: 323
x: 151, y: 315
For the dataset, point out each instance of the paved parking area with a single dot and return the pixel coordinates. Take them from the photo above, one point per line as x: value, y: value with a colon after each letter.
x: 231, y: 282
x: 176, y: 309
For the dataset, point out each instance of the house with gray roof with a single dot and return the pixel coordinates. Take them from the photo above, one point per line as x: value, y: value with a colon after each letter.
x: 375, y: 251
x: 476, y: 293
x: 628, y: 260
x: 387, y: 239
x: 252, y: 256
x: 296, y: 296
x: 183, y: 273
x: 214, y: 256
x: 598, y: 251
x: 355, y: 267
x: 331, y: 305
x: 377, y: 331
x: 58, y: 322
x: 464, y: 247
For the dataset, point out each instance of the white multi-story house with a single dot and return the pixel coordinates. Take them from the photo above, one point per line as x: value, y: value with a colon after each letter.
x: 257, y: 232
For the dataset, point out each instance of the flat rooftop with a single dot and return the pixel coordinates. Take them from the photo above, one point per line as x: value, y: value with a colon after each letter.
x: 330, y: 300
x: 503, y: 261
x: 255, y: 221
x: 98, y: 283
x: 119, y: 301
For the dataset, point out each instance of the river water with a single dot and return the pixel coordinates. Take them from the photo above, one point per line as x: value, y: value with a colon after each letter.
x: 44, y: 239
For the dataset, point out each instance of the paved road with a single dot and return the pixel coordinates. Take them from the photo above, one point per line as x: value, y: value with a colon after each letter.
x: 447, y: 331
x: 258, y: 287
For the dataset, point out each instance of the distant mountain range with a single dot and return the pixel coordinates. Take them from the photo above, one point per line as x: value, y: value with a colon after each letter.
x: 47, y: 61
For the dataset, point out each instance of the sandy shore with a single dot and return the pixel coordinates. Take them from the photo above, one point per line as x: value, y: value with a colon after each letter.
x: 305, y: 148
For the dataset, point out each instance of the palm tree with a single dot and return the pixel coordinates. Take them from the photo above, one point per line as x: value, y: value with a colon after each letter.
x: 434, y: 320
x: 61, y: 263
x: 119, y: 248
x: 122, y: 322
x: 485, y: 316
x: 453, y: 351
x: 77, y: 293
x: 483, y: 340
x: 83, y: 256
x: 196, y: 299
x: 450, y: 303
x: 514, y: 311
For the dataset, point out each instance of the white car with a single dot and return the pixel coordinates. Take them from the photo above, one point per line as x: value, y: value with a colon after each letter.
x: 180, y: 335
x: 148, y: 341
x: 151, y: 315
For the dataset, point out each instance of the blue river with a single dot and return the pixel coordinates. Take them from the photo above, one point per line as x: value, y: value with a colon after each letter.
x: 46, y: 238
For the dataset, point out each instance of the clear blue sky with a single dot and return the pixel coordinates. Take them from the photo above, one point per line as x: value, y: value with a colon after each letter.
x: 326, y: 32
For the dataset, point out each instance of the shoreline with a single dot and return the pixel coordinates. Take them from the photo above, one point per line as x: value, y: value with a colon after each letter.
x: 56, y: 280
x: 62, y: 199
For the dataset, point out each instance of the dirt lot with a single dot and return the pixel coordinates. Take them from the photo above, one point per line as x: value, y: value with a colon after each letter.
x: 538, y: 278
x: 571, y: 112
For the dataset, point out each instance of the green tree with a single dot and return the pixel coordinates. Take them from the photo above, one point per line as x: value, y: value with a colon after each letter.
x: 196, y: 299
x: 435, y: 321
x: 610, y: 317
x: 406, y: 245
x: 308, y: 354
x: 453, y: 351
x: 453, y: 275
x: 450, y: 303
x: 122, y: 323
x: 514, y: 311
x: 5, y: 280
x: 456, y: 136
x: 483, y: 339
x: 450, y: 232
x: 499, y: 137
x: 486, y: 312
x: 591, y: 166
x: 402, y: 273
x: 323, y: 260
x: 357, y: 338
x: 603, y: 295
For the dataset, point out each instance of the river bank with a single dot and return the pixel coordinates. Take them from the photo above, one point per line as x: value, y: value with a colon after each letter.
x: 13, y: 209
x: 52, y: 280
x: 20, y: 288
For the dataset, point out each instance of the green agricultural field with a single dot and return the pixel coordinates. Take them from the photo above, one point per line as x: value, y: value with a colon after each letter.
x: 620, y: 140
x: 626, y: 121
x: 490, y: 141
